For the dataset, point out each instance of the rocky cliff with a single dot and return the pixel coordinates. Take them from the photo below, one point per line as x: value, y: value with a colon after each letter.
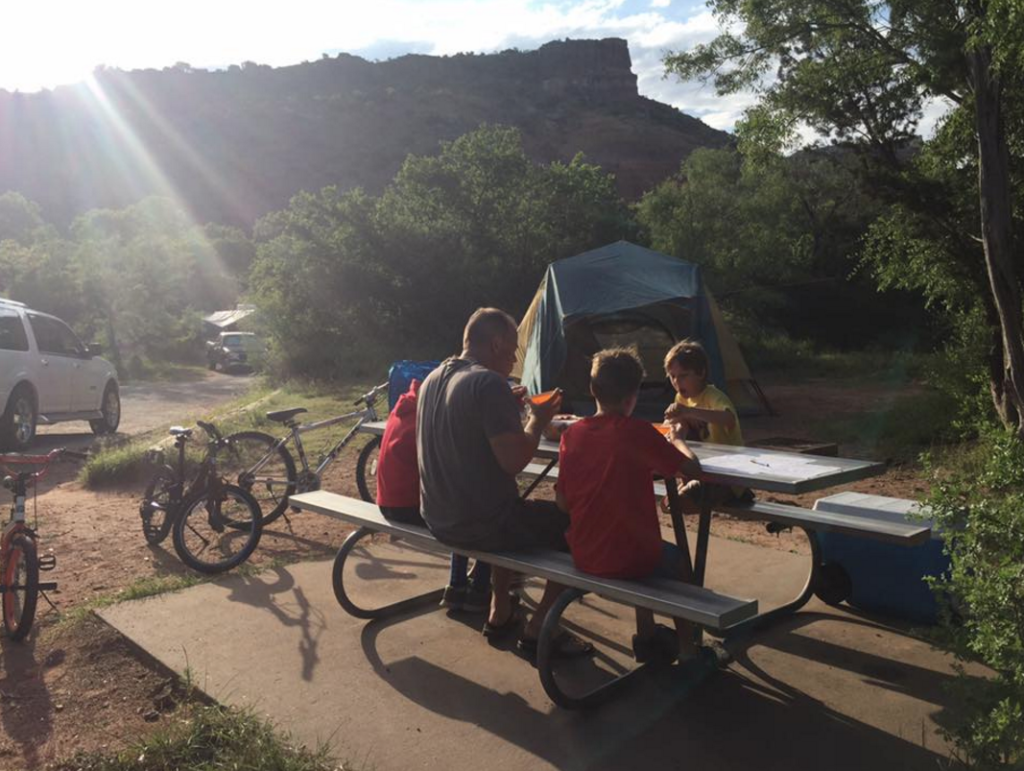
x: 234, y: 144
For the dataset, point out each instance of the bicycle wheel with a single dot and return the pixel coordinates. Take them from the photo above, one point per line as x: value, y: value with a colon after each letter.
x: 217, y: 533
x: 21, y: 585
x: 366, y: 470
x: 272, y: 483
x: 157, y: 504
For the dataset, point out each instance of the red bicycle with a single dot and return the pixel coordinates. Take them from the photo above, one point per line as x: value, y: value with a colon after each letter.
x: 20, y: 563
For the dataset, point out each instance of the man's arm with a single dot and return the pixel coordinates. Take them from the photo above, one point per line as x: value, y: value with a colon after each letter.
x: 514, y: 449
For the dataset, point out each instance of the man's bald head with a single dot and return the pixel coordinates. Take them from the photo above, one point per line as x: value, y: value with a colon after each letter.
x: 490, y: 337
x: 485, y: 326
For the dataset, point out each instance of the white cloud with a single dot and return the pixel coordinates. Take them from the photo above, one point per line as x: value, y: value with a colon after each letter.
x: 660, y: 3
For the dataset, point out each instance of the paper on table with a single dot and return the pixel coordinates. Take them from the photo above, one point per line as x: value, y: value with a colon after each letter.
x: 766, y: 464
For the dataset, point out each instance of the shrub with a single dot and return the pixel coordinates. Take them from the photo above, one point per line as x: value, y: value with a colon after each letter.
x: 980, y: 508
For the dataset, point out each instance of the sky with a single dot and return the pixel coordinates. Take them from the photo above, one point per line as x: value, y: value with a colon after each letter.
x: 58, y: 42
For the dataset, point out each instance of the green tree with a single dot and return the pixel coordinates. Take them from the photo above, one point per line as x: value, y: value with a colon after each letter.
x: 147, y: 272
x: 317, y: 281
x: 479, y: 222
x: 21, y: 220
x: 861, y: 70
x: 761, y: 225
x: 350, y: 278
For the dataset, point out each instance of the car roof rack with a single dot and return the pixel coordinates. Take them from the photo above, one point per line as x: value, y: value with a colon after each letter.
x: 5, y: 301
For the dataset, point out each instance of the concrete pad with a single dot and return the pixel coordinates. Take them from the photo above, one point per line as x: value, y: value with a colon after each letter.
x: 825, y: 689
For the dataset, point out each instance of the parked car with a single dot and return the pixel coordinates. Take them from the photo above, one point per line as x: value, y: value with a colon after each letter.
x: 234, y: 349
x: 47, y: 375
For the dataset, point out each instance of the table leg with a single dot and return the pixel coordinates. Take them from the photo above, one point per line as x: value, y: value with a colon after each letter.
x: 675, y: 508
x: 703, y: 534
x: 690, y: 636
x: 538, y: 480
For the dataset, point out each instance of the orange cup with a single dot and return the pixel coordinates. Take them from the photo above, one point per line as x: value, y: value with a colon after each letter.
x: 662, y: 428
x: 542, y: 399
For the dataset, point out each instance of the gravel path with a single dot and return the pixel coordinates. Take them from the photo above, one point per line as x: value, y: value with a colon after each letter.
x: 145, y: 406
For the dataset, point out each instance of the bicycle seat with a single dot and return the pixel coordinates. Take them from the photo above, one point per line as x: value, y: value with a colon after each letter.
x: 282, y: 416
x: 179, y: 431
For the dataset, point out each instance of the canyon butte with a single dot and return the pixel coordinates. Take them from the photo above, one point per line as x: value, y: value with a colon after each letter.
x: 236, y: 143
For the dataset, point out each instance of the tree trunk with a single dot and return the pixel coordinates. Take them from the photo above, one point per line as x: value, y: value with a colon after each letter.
x: 995, y: 362
x: 997, y: 229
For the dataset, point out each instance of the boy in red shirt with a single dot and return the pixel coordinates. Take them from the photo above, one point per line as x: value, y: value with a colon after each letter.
x: 398, y: 497
x: 605, y: 483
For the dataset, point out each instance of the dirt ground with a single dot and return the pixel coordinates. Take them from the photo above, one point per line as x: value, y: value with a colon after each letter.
x: 75, y: 685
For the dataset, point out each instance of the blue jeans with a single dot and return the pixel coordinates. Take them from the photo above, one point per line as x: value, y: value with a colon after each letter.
x: 671, y: 560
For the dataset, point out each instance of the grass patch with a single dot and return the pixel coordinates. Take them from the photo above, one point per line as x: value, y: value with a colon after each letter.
x: 127, y: 463
x: 141, y: 370
x: 117, y: 465
x: 149, y: 586
x: 120, y: 464
x: 210, y: 737
x: 899, y: 430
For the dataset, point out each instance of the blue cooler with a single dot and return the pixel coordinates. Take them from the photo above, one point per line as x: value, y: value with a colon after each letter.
x: 402, y: 373
x: 886, y: 578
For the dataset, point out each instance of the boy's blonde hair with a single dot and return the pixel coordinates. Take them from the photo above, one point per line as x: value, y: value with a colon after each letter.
x: 616, y: 374
x: 688, y: 354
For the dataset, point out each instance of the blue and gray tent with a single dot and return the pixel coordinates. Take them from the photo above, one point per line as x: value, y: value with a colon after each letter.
x: 623, y: 294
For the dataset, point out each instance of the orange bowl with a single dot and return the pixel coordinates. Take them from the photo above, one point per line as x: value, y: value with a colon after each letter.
x: 662, y: 428
x: 541, y: 399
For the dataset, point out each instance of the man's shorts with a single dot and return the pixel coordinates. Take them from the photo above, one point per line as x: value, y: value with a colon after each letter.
x: 524, y: 525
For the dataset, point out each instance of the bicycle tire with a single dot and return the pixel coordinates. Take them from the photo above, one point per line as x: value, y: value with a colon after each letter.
x: 366, y: 470
x: 155, y: 527
x: 21, y: 585
x: 202, y: 533
x: 274, y: 483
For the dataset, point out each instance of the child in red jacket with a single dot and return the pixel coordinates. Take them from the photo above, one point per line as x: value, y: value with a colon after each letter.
x: 398, y: 496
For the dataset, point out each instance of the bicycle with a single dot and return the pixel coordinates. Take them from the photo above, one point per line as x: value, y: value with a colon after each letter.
x: 263, y: 465
x: 216, y: 525
x: 20, y: 563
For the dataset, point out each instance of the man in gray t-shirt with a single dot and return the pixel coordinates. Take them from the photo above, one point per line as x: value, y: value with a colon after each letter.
x: 465, y: 404
x: 470, y: 446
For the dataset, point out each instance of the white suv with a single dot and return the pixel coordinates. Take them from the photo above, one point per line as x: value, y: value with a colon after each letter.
x: 48, y: 376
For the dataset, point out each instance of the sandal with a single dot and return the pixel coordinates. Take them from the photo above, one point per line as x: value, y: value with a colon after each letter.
x: 564, y: 646
x: 509, y: 625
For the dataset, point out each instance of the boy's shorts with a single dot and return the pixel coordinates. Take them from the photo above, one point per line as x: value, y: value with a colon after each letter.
x: 671, y: 561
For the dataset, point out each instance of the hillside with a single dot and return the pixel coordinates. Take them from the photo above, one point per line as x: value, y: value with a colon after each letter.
x: 237, y: 143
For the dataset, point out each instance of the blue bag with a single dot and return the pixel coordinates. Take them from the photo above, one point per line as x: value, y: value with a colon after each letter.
x: 402, y: 373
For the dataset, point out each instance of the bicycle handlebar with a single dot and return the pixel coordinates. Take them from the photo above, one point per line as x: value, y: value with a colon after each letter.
x: 18, y: 459
x: 211, y: 430
x: 369, y: 398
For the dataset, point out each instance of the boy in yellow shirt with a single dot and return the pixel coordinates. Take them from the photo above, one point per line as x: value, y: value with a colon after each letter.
x: 704, y: 414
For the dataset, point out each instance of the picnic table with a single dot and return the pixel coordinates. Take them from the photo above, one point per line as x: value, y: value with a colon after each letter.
x: 765, y: 470
x: 690, y: 603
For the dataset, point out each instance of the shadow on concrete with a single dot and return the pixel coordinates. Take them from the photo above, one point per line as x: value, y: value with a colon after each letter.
x: 727, y: 721
x: 287, y: 603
